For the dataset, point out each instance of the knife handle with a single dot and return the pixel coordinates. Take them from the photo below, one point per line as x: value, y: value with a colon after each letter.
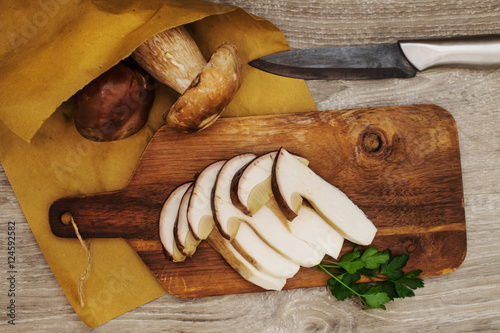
x: 473, y: 51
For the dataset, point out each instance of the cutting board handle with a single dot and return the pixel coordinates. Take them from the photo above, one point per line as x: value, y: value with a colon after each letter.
x: 105, y: 215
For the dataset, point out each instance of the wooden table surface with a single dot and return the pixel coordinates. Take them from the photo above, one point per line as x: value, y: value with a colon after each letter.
x: 466, y: 300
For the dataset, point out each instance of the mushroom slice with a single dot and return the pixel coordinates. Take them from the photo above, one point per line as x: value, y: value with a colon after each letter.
x: 252, y: 189
x: 275, y: 229
x: 264, y: 226
x: 261, y: 255
x: 227, y: 217
x: 209, y: 93
x: 251, y: 186
x: 292, y: 180
x: 228, y: 220
x: 199, y: 213
x: 184, y: 238
x: 168, y: 218
x: 313, y: 229
x: 241, y: 265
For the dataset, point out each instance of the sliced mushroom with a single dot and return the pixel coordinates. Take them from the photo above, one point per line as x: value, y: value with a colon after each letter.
x: 242, y: 237
x: 252, y: 189
x: 199, y: 214
x: 269, y: 227
x: 260, y: 255
x: 275, y: 230
x: 253, y: 249
x: 184, y: 238
x: 174, y: 59
x: 251, y: 186
x: 241, y: 265
x: 292, y: 180
x: 313, y: 229
x: 168, y: 217
x: 226, y: 215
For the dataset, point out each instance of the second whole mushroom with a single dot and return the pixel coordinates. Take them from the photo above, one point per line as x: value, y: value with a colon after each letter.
x: 206, y: 88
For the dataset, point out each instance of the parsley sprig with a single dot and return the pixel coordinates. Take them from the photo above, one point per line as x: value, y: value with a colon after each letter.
x: 387, y: 279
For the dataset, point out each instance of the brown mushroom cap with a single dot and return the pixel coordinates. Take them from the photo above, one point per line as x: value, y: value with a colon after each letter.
x: 115, y: 105
x: 209, y: 93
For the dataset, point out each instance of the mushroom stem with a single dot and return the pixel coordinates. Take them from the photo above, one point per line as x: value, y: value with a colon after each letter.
x: 172, y: 57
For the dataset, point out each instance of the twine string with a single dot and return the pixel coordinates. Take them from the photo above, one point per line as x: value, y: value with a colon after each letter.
x: 84, y: 276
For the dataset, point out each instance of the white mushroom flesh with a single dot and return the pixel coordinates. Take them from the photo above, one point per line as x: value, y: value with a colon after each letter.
x: 313, y: 229
x: 241, y: 265
x: 199, y: 213
x: 254, y: 188
x: 185, y: 240
x: 227, y: 216
x: 268, y: 226
x: 293, y: 179
x: 254, y: 184
x: 168, y: 218
x: 260, y: 255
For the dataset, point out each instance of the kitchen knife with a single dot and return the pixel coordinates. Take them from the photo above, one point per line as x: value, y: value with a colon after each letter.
x: 399, y: 60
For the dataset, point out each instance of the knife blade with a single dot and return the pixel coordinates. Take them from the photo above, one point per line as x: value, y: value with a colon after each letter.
x: 403, y: 59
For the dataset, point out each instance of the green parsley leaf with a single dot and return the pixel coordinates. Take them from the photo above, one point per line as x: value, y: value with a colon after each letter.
x: 351, y: 266
x: 388, y: 281
x: 392, y: 269
x: 351, y: 262
x: 342, y: 285
x: 405, y: 285
x: 375, y: 298
x: 373, y: 259
x: 414, y: 273
x: 390, y: 289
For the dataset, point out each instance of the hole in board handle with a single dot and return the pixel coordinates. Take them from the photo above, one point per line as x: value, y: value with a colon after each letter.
x: 66, y: 218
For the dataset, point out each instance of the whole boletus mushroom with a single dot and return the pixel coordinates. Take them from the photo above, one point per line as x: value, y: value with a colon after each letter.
x: 209, y: 93
x: 173, y: 58
x: 115, y: 105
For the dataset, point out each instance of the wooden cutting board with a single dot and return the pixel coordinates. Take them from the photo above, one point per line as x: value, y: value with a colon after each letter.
x: 399, y: 164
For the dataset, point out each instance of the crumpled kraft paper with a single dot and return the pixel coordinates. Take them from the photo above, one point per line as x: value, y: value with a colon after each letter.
x: 49, y: 50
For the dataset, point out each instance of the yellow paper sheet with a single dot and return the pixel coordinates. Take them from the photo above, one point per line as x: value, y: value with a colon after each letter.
x: 46, y: 159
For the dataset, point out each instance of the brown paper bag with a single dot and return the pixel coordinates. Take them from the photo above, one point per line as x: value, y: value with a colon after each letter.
x: 50, y: 50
